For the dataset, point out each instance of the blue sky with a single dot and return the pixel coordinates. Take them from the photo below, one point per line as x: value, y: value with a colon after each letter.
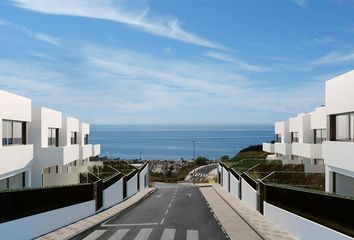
x: 177, y: 62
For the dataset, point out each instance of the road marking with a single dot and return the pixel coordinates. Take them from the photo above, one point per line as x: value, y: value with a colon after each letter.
x: 158, y: 195
x: 166, y: 211
x: 169, y: 205
x: 168, y: 234
x: 143, y: 234
x: 94, y: 235
x: 129, y: 224
x: 162, y: 221
x: 119, y: 235
x: 192, y: 235
x: 189, y: 194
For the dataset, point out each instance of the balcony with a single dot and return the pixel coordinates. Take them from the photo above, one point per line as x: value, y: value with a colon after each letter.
x: 86, y: 151
x: 339, y: 154
x: 15, y: 157
x: 282, y: 148
x: 268, y: 147
x: 307, y: 150
x: 60, y: 155
x: 96, y: 149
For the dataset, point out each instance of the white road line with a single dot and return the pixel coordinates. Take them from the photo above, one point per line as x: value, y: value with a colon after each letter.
x: 168, y: 234
x: 192, y: 235
x: 119, y: 235
x: 129, y: 224
x: 166, y: 211
x: 143, y: 234
x: 162, y: 221
x: 94, y: 235
x: 169, y: 205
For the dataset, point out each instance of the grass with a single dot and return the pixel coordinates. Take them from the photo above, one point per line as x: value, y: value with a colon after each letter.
x: 264, y: 169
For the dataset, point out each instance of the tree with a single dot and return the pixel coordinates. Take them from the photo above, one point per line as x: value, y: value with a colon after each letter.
x: 201, y: 161
x: 225, y: 158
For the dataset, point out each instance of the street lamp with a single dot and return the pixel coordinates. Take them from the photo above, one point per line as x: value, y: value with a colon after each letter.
x: 193, y: 161
x: 140, y: 157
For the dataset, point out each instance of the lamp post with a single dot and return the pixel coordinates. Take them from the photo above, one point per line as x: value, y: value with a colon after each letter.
x: 140, y: 157
x: 193, y: 161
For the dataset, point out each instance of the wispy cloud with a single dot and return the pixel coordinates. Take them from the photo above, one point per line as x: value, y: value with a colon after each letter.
x: 302, y: 3
x: 237, y: 62
x: 121, y: 11
x: 43, y: 37
x: 321, y: 41
x: 334, y: 57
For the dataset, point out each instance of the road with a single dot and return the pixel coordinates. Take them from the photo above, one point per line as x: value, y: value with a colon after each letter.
x: 201, y: 173
x: 172, y: 212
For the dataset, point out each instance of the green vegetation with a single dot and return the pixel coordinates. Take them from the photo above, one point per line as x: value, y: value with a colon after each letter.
x: 200, y: 161
x: 171, y: 177
x: 264, y: 169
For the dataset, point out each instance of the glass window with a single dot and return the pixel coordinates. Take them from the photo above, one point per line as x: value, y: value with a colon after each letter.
x: 295, y: 137
x: 12, y: 132
x: 320, y: 135
x: 278, y: 138
x: 86, y: 139
x: 52, y: 137
x: 342, y: 127
x: 73, y: 138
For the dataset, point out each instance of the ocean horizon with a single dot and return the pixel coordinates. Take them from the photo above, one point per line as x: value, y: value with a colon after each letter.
x: 175, y: 142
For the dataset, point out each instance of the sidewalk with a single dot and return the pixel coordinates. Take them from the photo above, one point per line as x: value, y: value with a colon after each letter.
x: 84, y: 224
x: 238, y: 220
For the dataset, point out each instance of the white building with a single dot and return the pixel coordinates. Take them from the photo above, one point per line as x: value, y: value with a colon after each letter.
x: 338, y: 151
x: 61, y: 149
x: 16, y: 155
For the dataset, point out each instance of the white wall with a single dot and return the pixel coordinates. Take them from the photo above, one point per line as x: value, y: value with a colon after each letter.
x: 300, y: 227
x: 225, y: 179
x: 113, y: 194
x: 132, y: 185
x: 234, y: 186
x: 84, y: 129
x: 282, y: 128
x: 141, y: 177
x: 318, y: 118
x: 339, y: 94
x: 339, y: 154
x: 39, y: 224
x: 69, y: 125
x: 54, y: 179
x: 302, y: 124
x: 249, y: 195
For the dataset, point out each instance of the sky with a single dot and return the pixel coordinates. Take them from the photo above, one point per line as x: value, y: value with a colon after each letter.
x: 175, y: 61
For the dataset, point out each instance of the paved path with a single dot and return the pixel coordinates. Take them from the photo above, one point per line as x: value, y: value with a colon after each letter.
x: 223, y: 203
x: 172, y: 212
x: 201, y: 173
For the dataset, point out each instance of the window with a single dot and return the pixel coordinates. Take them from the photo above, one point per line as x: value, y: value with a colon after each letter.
x: 73, y: 138
x: 13, y: 132
x: 53, y: 139
x: 86, y: 139
x: 294, y: 137
x: 320, y: 135
x: 344, y: 127
x: 278, y: 138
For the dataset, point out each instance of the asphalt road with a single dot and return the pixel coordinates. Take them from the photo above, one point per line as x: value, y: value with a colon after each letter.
x: 173, y: 212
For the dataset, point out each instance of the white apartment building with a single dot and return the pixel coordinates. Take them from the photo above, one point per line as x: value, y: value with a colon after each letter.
x: 16, y: 155
x: 338, y: 151
x: 40, y: 146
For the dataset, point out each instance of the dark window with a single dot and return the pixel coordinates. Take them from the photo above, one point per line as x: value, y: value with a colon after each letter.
x: 73, y: 138
x: 294, y: 137
x: 13, y: 132
x: 86, y: 139
x: 343, y: 125
x: 278, y: 138
x: 320, y: 135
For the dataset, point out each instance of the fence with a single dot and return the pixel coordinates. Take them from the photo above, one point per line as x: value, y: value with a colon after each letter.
x: 23, y: 203
x: 332, y: 211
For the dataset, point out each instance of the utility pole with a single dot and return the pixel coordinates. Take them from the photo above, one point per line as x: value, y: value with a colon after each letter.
x: 140, y: 157
x: 193, y: 161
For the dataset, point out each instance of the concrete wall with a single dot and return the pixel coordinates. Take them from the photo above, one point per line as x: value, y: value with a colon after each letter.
x: 339, y: 154
x: 132, y: 186
x: 302, y: 124
x: 300, y: 227
x: 113, y: 194
x: 39, y: 224
x: 234, y: 186
x: 54, y: 179
x: 249, y: 195
x: 282, y: 128
x: 339, y: 94
x: 69, y: 125
x: 318, y: 118
x: 225, y: 179
x: 143, y: 173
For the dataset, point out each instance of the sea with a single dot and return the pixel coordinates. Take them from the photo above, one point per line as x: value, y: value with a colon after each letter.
x: 176, y: 142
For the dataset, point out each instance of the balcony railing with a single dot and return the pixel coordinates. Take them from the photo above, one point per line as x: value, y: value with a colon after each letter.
x: 307, y: 150
x: 60, y: 155
x: 86, y: 151
x: 282, y: 148
x: 96, y: 149
x: 268, y: 147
